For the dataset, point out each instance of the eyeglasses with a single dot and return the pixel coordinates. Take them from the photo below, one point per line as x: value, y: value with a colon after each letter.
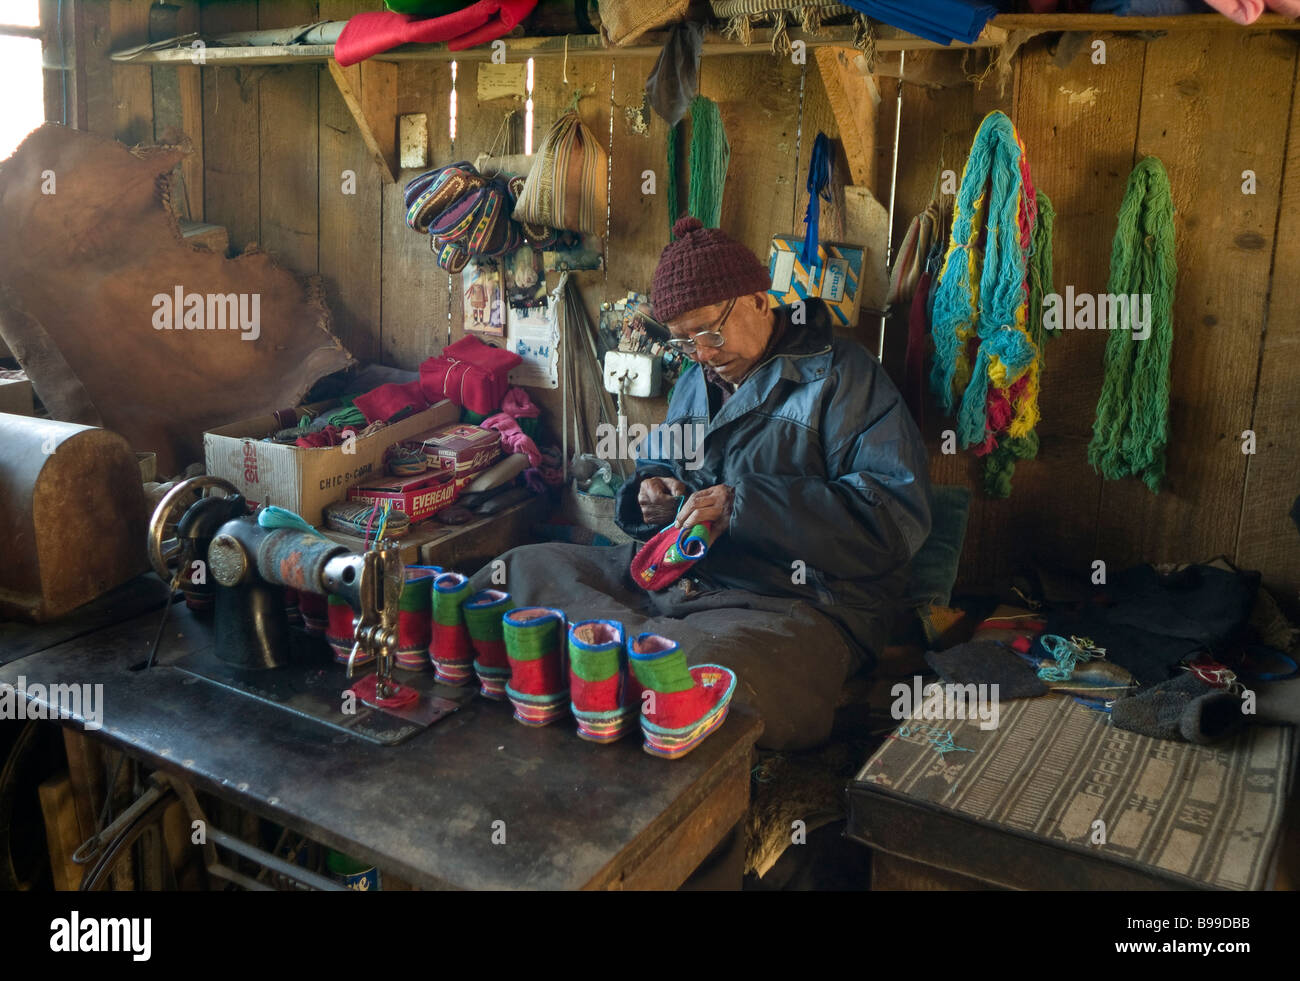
x: 710, y: 337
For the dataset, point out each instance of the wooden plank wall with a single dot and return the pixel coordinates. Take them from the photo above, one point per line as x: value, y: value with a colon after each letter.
x: 1211, y: 105
x: 275, y: 145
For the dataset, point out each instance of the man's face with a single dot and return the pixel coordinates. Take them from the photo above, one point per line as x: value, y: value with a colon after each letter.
x: 743, y: 325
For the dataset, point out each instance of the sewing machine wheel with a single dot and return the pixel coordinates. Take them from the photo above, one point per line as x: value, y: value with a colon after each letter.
x: 164, y: 545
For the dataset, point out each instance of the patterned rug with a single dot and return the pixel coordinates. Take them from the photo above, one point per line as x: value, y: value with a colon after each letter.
x: 1210, y: 815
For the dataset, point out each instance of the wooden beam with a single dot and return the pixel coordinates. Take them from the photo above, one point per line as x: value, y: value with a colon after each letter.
x: 574, y: 46
x: 369, y: 91
x: 854, y: 109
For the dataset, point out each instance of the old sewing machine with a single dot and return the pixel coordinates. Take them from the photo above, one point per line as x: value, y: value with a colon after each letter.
x: 240, y: 567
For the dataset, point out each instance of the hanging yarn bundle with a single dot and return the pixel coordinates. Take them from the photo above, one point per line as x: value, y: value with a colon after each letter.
x: 986, y: 362
x: 1131, y: 431
x: 710, y: 156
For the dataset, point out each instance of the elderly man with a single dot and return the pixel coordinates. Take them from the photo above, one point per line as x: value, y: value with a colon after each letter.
x: 812, y: 476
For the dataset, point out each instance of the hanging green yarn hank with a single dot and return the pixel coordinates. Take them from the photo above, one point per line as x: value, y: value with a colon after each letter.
x: 710, y: 156
x: 1131, y: 431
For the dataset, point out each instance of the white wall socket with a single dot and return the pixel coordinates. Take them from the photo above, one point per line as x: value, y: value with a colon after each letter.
x: 632, y: 374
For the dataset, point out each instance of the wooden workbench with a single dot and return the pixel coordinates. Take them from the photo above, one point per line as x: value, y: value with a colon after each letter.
x: 576, y: 815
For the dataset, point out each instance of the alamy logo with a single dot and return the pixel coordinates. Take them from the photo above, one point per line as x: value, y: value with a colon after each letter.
x: 663, y: 441
x: 37, y: 701
x: 1098, y: 311
x: 946, y: 701
x: 179, y: 310
x: 102, y: 934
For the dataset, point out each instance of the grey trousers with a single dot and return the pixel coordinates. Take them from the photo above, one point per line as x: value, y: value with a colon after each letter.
x: 790, y: 660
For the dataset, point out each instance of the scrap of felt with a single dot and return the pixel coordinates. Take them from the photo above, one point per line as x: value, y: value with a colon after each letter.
x: 85, y: 287
x: 675, y: 79
x: 373, y: 32
x: 987, y: 662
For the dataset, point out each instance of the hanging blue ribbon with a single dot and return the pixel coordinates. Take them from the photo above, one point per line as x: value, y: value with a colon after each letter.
x: 819, y: 179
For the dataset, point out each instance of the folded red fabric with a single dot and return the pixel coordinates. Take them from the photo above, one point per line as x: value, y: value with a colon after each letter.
x: 376, y: 31
x: 391, y: 401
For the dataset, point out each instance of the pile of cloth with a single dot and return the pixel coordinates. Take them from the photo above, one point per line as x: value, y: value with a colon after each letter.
x: 460, y: 24
x: 1191, y: 653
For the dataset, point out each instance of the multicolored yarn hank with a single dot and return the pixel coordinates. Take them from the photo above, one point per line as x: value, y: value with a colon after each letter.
x: 1131, y: 430
x: 483, y: 613
x: 987, y: 363
x: 539, y: 682
x: 449, y: 647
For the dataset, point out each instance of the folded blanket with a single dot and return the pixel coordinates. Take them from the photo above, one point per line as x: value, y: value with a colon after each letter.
x: 374, y: 32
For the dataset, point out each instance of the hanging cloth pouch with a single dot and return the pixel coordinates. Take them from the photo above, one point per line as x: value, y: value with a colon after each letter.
x: 568, y: 185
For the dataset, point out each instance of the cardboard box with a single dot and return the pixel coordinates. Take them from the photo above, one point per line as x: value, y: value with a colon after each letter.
x: 834, y: 278
x: 462, y: 449
x: 419, y: 497
x: 306, y: 480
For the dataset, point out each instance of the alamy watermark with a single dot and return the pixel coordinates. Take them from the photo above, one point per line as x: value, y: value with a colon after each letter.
x: 665, y: 441
x: 23, y: 701
x: 947, y: 701
x: 180, y: 310
x: 1098, y: 311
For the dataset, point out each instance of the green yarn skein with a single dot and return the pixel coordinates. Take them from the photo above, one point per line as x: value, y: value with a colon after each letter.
x: 1131, y: 431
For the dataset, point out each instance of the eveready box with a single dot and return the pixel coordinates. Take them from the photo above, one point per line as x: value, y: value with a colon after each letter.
x: 306, y: 480
x: 418, y: 497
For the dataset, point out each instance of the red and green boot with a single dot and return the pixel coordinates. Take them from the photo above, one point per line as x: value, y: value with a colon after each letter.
x: 415, y: 618
x: 340, y: 631
x: 539, y: 677
x: 449, y: 648
x: 681, y: 705
x: 605, y: 698
x: 483, y: 615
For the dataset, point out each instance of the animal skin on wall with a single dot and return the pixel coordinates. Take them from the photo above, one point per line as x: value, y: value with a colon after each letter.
x: 92, y: 263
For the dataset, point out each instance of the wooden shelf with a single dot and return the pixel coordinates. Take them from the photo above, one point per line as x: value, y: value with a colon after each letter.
x: 575, y: 46
x: 591, y: 45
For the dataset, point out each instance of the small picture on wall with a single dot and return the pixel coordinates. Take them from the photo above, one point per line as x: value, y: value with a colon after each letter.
x: 525, y: 281
x: 485, y: 310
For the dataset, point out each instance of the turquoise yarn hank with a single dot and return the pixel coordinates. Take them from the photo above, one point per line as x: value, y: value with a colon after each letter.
x: 994, y: 164
x: 1131, y: 430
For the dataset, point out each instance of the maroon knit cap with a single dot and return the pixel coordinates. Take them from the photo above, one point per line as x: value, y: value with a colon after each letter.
x: 703, y: 266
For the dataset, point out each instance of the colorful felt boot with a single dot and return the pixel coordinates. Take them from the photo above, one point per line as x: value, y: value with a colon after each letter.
x: 662, y: 560
x: 682, y: 705
x: 604, y: 697
x: 340, y: 630
x: 415, y: 618
x: 539, y: 677
x: 453, y: 658
x: 483, y: 613
x: 314, y: 608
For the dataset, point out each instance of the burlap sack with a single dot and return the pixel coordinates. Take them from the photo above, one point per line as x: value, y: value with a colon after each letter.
x: 623, y: 21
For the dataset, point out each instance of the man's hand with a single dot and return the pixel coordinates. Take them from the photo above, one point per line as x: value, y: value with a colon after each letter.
x: 658, y: 499
x: 712, y: 505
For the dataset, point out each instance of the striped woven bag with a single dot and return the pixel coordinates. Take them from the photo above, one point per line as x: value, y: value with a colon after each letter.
x: 568, y: 185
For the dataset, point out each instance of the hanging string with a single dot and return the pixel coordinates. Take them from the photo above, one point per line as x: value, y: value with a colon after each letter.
x: 819, y: 179
x: 674, y: 142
